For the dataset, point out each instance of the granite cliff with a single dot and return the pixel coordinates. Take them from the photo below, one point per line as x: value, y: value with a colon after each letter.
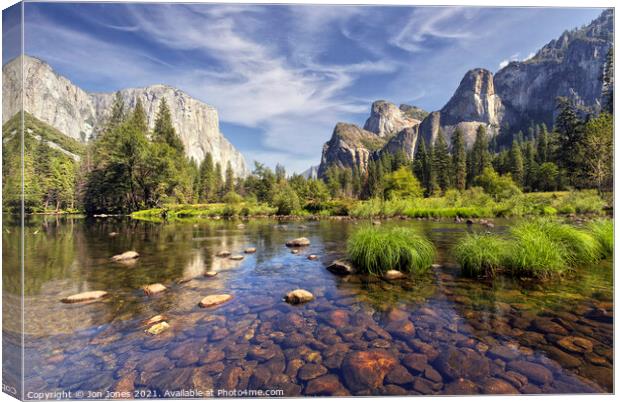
x: 56, y: 101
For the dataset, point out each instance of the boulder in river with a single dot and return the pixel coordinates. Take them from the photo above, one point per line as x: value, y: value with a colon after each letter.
x: 250, y: 250
x: 153, y: 289
x: 313, y: 257
x: 236, y: 257
x: 210, y: 274
x: 298, y: 242
x: 298, y: 296
x: 214, y: 300
x: 223, y: 253
x: 393, y: 275
x: 86, y: 296
x: 341, y: 267
x: 127, y: 255
x: 158, y: 328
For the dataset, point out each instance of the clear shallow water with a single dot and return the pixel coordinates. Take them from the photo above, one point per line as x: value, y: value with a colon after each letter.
x: 436, y: 334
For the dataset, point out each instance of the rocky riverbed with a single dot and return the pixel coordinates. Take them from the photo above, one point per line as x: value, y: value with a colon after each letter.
x: 436, y: 334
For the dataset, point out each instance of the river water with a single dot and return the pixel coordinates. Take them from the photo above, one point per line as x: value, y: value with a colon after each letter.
x: 435, y: 334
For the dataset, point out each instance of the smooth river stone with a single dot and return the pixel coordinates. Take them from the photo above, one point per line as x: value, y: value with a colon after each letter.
x: 456, y: 363
x: 86, y: 296
x: 158, y: 328
x: 393, y: 275
x: 535, y: 372
x: 250, y: 250
x: 298, y: 296
x: 153, y: 289
x: 214, y: 300
x: 223, y: 253
x: 236, y: 257
x: 367, y: 369
x: 127, y: 255
x: 327, y: 385
x: 299, y: 242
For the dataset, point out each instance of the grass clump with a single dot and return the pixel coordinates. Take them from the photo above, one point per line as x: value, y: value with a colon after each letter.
x: 377, y: 250
x: 481, y: 254
x: 534, y: 253
x: 578, y: 247
x: 602, y: 230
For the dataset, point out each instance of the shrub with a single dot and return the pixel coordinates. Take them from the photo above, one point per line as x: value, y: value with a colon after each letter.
x: 286, y: 200
x: 581, y: 202
x: 402, y: 184
x: 499, y: 187
x: 376, y: 250
x: 232, y: 198
x: 603, y: 231
x: 480, y: 254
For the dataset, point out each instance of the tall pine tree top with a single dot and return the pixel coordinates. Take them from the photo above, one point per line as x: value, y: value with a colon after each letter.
x: 164, y: 131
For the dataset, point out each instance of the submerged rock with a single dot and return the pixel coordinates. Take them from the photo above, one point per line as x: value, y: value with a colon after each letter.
x: 299, y: 242
x: 341, y: 267
x: 127, y: 255
x: 456, y: 363
x: 367, y: 369
x: 158, y: 328
x: 327, y: 385
x: 153, y: 289
x: 214, y: 300
x: 298, y: 296
x: 575, y: 344
x: 497, y: 386
x: 86, y: 296
x: 534, y: 372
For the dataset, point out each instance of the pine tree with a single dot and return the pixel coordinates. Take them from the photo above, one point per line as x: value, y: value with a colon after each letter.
x: 207, y: 179
x: 230, y: 179
x: 219, y: 183
x: 441, y: 163
x: 570, y: 141
x: 542, y: 145
x: 516, y: 163
x: 530, y: 166
x: 480, y: 156
x: 138, y: 117
x: 164, y: 131
x: 420, y: 163
x: 431, y: 173
x: 117, y: 115
x: 459, y: 160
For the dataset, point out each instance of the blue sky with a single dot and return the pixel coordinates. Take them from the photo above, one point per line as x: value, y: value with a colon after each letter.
x: 282, y: 76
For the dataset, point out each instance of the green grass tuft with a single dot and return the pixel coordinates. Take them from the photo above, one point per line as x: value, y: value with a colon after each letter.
x: 376, y: 250
x: 481, y: 254
x: 603, y: 231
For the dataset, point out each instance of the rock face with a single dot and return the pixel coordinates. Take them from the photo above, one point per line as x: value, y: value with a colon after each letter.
x: 569, y: 66
x: 388, y: 129
x: 77, y: 113
x: 311, y: 173
x: 473, y: 104
x: 386, y: 119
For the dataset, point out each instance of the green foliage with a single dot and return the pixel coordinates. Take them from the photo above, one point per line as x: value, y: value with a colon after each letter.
x: 402, y: 184
x: 581, y: 202
x: 603, y: 231
x: 517, y: 170
x: 598, y: 146
x: 459, y: 160
x: 499, y: 187
x: 481, y: 254
x: 285, y: 199
x: 164, y: 131
x: 232, y: 198
x: 377, y: 250
x: 441, y: 163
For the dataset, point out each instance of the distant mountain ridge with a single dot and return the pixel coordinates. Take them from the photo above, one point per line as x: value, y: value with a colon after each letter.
x: 56, y: 101
x: 521, y: 93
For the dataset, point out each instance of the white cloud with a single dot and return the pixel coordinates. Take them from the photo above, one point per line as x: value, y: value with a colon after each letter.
x: 507, y: 61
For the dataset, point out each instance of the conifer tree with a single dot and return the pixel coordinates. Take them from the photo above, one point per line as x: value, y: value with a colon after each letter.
x: 459, y: 160
x: 138, y: 117
x: 516, y: 163
x: 230, y: 178
x: 164, y: 131
x: 441, y: 163
x: 480, y: 156
x: 117, y: 115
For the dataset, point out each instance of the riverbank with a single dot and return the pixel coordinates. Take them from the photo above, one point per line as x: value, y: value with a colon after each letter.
x: 454, y: 205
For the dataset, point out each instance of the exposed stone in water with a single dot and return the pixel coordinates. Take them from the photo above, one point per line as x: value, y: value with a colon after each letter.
x: 250, y: 250
x: 341, y: 267
x: 393, y: 274
x: 294, y: 251
x: 313, y: 257
x: 158, y: 328
x: 153, y: 289
x: 210, y: 274
x: 223, y: 253
x: 299, y: 242
x: 236, y: 257
x: 298, y: 296
x: 214, y: 300
x: 86, y: 296
x: 127, y: 255
x: 155, y: 320
x: 367, y: 369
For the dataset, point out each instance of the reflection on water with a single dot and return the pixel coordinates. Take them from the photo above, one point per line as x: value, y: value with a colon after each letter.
x: 436, y: 334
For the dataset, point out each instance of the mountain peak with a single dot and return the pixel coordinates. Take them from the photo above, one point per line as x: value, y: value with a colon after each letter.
x: 387, y: 119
